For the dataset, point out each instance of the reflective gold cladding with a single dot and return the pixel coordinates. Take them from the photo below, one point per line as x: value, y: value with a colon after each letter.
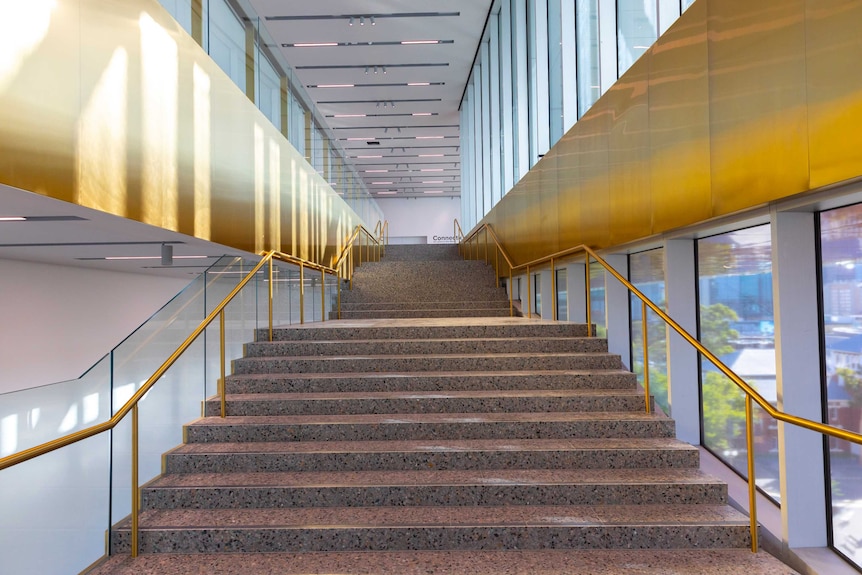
x: 746, y: 103
x: 114, y: 107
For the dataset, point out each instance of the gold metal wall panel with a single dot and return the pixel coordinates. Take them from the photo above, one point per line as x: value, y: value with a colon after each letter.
x: 114, y: 107
x: 679, y: 123
x: 758, y: 118
x: 630, y: 203
x: 745, y: 103
x: 834, y: 48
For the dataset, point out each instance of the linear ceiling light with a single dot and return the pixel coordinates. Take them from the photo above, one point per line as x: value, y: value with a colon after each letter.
x: 432, y: 170
x: 433, y: 191
x: 381, y: 183
x: 367, y: 157
x: 430, y: 137
x: 418, y: 83
x: 313, y: 44
x: 332, y: 86
x: 389, y: 192
x: 349, y: 115
x: 376, y: 171
x: 12, y: 219
x: 155, y: 257
x: 420, y: 42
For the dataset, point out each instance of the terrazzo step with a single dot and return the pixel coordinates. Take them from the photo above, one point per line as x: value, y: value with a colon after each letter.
x: 457, y: 454
x: 433, y: 488
x: 510, y: 562
x: 435, y: 362
x: 417, y: 294
x: 454, y: 328
x: 436, y: 528
x: 422, y: 252
x: 443, y: 381
x: 428, y: 426
x: 426, y: 402
x: 426, y: 346
x: 449, y: 304
x: 424, y: 313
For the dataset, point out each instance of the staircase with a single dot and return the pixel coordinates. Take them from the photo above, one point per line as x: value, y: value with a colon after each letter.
x: 450, y: 445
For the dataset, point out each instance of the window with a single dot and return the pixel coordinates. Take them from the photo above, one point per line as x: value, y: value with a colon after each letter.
x: 562, y: 295
x: 736, y: 324
x: 227, y: 41
x: 537, y: 294
x: 589, y: 86
x: 647, y: 274
x: 637, y: 30
x: 597, y: 299
x: 841, y: 278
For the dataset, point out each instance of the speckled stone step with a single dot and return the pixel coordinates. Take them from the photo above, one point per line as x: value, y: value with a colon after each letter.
x: 432, y: 488
x: 426, y: 346
x: 427, y: 402
x: 429, y: 528
x: 455, y: 562
x: 449, y: 304
x: 431, y: 381
x: 426, y: 313
x: 629, y: 453
x: 429, y: 362
x: 414, y: 426
x: 422, y: 252
x: 452, y: 328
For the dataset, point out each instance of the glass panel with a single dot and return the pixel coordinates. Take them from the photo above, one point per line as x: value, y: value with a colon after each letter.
x: 637, y: 30
x: 269, y: 90
x: 736, y: 324
x: 841, y: 277
x: 684, y: 4
x: 227, y: 41
x: 555, y: 69
x: 562, y: 295
x: 537, y: 294
x: 647, y: 274
x: 54, y: 510
x: 589, y: 87
x: 181, y: 10
x: 597, y: 299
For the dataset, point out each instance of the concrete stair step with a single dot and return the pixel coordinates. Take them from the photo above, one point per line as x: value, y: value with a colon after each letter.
x: 455, y: 562
x: 426, y: 362
x: 451, y: 328
x: 420, y: 455
x: 426, y: 313
x: 426, y: 346
x: 435, y: 426
x: 443, y: 381
x: 436, y: 528
x: 448, y: 304
x: 426, y: 402
x: 433, y: 488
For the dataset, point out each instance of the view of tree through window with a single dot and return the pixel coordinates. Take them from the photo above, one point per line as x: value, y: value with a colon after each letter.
x: 736, y: 324
x: 647, y: 274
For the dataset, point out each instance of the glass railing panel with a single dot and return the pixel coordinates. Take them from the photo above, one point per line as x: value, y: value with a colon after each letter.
x: 597, y: 299
x: 54, y: 510
x: 33, y: 416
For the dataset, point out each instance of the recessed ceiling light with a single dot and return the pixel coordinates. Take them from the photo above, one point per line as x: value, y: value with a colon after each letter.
x: 432, y: 181
x: 433, y: 191
x: 381, y: 183
x: 367, y: 157
x: 432, y: 170
x: 381, y: 192
x: 332, y: 86
x: 376, y: 171
x: 418, y: 83
x: 359, y: 139
x: 349, y: 116
x: 421, y: 113
x: 429, y: 137
x: 430, y: 155
x: 314, y: 44
x: 420, y: 42
x: 12, y: 219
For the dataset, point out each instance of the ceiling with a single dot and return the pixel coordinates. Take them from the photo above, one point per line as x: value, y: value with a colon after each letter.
x: 391, y: 87
x: 61, y: 233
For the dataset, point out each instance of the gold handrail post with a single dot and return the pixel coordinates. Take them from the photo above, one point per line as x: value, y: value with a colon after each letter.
x: 301, y: 293
x: 350, y: 257
x: 486, y: 245
x: 322, y: 295
x: 589, y: 303
x: 497, y: 266
x: 752, y: 486
x: 511, y: 294
x: 529, y: 296
x: 554, y: 289
x: 646, y: 354
x: 271, y: 264
x: 338, y: 289
x: 359, y: 239
x: 222, y: 382
x: 136, y: 502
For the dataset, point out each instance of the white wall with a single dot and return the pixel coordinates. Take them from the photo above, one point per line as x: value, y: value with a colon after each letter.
x: 423, y: 217
x: 56, y: 321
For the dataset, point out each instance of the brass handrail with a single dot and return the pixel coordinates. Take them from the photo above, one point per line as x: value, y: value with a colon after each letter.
x: 347, y: 250
x: 131, y: 406
x: 751, y: 395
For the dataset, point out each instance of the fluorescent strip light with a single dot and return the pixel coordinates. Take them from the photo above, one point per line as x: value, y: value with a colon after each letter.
x: 155, y: 257
x: 359, y: 139
x: 418, y: 83
x: 314, y: 44
x: 421, y: 113
x: 381, y: 183
x: 430, y: 155
x: 430, y: 137
x: 432, y: 181
x: 431, y: 170
x: 433, y: 191
x: 349, y: 116
x: 333, y: 86
x: 367, y: 157
x: 420, y: 42
x: 385, y: 192
x: 376, y: 171
x: 12, y: 219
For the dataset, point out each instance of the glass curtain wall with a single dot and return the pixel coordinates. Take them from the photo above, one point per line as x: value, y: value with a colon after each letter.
x: 587, y: 34
x: 736, y: 324
x: 555, y: 69
x: 637, y: 30
x: 647, y: 274
x: 227, y: 35
x: 841, y: 278
x: 562, y: 295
